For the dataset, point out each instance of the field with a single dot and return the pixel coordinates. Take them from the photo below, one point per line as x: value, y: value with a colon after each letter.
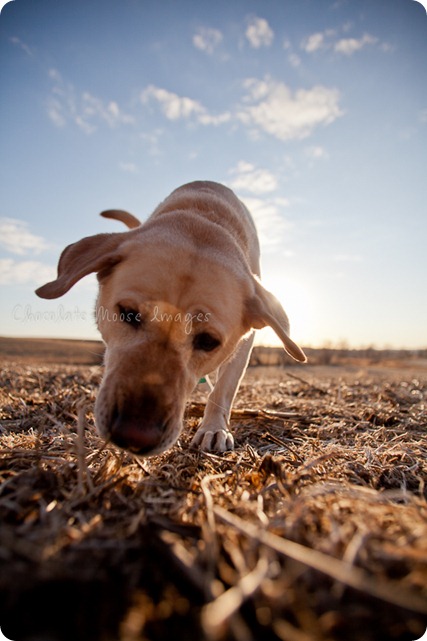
x: 313, y: 529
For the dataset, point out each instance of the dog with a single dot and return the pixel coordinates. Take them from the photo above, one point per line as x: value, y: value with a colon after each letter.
x: 179, y: 298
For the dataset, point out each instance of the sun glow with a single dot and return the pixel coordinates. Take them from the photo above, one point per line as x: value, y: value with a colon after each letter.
x: 297, y: 302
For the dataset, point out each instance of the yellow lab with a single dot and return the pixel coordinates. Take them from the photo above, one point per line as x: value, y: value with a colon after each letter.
x: 179, y: 297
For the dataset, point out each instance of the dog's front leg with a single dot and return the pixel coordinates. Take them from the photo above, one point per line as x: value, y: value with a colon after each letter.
x: 214, y: 433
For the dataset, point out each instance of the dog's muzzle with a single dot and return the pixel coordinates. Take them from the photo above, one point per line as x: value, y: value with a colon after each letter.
x: 138, y: 425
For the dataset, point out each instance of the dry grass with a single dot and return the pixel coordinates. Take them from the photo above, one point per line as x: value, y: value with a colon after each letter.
x: 314, y: 528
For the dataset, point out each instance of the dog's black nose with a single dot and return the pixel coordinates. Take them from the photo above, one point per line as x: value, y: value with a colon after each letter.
x: 136, y: 437
x: 138, y: 425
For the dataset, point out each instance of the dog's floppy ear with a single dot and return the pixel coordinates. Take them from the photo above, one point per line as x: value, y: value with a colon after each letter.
x: 91, y: 254
x: 265, y: 310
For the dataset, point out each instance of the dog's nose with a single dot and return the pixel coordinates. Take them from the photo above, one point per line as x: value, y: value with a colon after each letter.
x: 137, y: 426
x: 137, y: 437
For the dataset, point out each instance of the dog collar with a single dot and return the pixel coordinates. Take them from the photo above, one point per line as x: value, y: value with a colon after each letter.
x: 205, y: 380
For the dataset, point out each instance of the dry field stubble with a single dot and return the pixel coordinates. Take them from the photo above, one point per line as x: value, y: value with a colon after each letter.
x: 314, y: 528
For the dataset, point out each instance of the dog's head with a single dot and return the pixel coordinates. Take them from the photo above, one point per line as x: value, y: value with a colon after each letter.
x: 169, y: 313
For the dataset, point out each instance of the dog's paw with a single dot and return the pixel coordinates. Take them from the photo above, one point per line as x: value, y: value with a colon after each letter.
x: 214, y: 440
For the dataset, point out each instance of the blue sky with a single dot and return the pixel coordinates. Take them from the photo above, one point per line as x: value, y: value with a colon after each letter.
x: 313, y: 111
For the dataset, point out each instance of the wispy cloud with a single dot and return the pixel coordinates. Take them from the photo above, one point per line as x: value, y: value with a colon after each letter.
x: 271, y: 225
x: 314, y: 42
x: 250, y: 179
x: 207, y: 39
x: 151, y: 141
x: 22, y: 45
x: 176, y: 107
x: 16, y: 238
x: 214, y: 119
x: 329, y: 40
x: 26, y: 272
x: 259, y: 33
x: 348, y: 46
x: 316, y: 153
x: 85, y: 110
x: 294, y: 60
x: 267, y: 106
x: 273, y: 108
x: 128, y: 167
x: 255, y: 186
x: 173, y: 106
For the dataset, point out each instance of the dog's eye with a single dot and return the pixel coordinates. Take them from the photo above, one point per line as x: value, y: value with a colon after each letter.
x: 130, y: 316
x: 205, y: 342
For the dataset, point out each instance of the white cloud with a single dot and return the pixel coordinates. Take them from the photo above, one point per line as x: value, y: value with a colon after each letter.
x: 207, y: 39
x: 176, y: 107
x: 212, y: 119
x: 271, y: 225
x: 247, y: 178
x: 13, y: 272
x: 386, y: 47
x: 267, y: 106
x: 294, y: 60
x: 84, y: 110
x: 173, y: 106
x: 323, y: 40
x: 316, y: 152
x: 110, y: 113
x: 55, y: 112
x: 251, y: 183
x: 348, y: 46
x: 259, y: 33
x: 288, y: 115
x: 314, y: 42
x: 128, y: 167
x: 16, y: 238
x: 19, y: 43
x: 152, y: 141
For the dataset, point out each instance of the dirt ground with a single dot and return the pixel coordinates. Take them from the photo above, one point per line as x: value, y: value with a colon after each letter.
x: 313, y: 529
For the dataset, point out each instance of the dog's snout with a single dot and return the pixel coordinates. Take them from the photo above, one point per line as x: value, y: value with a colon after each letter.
x: 138, y: 424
